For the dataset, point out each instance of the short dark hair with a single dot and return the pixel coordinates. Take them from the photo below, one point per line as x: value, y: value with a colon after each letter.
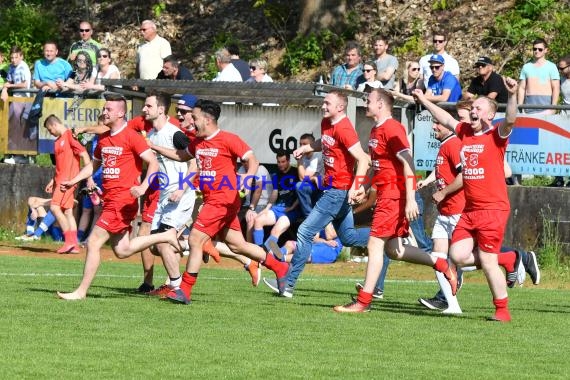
x: 440, y: 32
x: 211, y: 108
x: 233, y: 49
x: 282, y: 153
x: 51, y: 119
x: 382, y: 38
x: 540, y: 41
x: 350, y: 45
x: 307, y: 136
x: 114, y: 97
x: 16, y: 50
x: 162, y: 99
x: 51, y: 42
x: 385, y: 96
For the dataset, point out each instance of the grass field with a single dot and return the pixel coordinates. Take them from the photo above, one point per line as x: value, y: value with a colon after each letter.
x: 235, y: 331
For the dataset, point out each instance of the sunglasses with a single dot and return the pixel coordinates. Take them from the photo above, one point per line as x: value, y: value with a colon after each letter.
x: 182, y: 112
x: 103, y: 56
x: 438, y: 41
x: 252, y: 68
x: 435, y: 67
x: 415, y: 68
x: 537, y: 49
x: 368, y: 70
x: 563, y: 68
x: 479, y: 66
x: 84, y: 30
x: 143, y: 29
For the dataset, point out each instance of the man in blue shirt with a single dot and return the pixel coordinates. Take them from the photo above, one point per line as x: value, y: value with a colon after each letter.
x: 349, y: 75
x: 50, y: 69
x: 442, y: 85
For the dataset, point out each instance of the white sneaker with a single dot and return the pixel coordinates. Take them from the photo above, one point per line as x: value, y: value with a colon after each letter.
x: 10, y: 161
x: 521, y: 274
x: 452, y: 310
x: 27, y: 238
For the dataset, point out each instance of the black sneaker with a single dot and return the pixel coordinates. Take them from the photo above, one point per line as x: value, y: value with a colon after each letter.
x: 433, y: 303
x: 145, y: 288
x: 377, y: 294
x: 531, y: 267
x: 513, y: 276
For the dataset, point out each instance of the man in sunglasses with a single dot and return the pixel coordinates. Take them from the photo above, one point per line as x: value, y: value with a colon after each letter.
x: 487, y: 82
x: 442, y: 85
x: 539, y: 80
x: 439, y: 44
x: 86, y: 43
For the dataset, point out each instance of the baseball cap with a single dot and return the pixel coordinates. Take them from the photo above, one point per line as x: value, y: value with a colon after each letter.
x: 187, y: 100
x: 483, y: 61
x: 436, y: 58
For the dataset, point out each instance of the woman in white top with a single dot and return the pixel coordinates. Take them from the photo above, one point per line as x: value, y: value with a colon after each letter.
x: 105, y: 69
x: 369, y: 71
x: 258, y: 71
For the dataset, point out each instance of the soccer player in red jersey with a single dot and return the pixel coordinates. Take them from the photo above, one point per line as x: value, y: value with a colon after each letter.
x: 394, y: 180
x: 216, y: 153
x: 68, y: 152
x: 483, y: 221
x: 121, y: 151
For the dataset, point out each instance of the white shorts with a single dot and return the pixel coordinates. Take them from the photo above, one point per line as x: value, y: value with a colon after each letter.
x: 444, y: 226
x: 174, y: 214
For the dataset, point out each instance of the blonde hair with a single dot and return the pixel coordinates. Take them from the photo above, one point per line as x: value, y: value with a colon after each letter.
x: 408, y: 65
x: 260, y: 63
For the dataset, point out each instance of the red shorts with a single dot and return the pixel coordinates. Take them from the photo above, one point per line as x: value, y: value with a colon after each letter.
x: 116, y: 218
x: 486, y: 227
x: 63, y: 199
x: 150, y: 204
x: 389, y: 219
x: 214, y: 218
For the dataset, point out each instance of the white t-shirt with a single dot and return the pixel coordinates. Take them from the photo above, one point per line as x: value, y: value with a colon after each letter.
x: 110, y: 71
x: 150, y: 57
x: 262, y: 178
x: 228, y: 74
x: 313, y: 163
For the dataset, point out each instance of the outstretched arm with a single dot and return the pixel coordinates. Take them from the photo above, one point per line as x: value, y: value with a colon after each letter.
x: 437, y: 112
x: 512, y: 107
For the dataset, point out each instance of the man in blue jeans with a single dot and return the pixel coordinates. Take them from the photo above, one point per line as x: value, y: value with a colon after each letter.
x: 341, y: 151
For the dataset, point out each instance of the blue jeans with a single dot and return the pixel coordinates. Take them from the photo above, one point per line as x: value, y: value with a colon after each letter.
x: 308, y: 194
x: 333, y: 207
x: 424, y: 242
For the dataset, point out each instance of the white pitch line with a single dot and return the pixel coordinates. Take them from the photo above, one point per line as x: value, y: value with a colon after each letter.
x: 310, y: 279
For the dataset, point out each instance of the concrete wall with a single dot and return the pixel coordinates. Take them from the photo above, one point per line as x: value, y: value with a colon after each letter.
x: 530, y: 206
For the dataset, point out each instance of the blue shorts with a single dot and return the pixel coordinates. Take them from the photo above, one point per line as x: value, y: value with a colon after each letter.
x: 279, y: 211
x: 322, y: 253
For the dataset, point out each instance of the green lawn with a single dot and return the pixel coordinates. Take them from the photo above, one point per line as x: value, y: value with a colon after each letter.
x: 233, y: 330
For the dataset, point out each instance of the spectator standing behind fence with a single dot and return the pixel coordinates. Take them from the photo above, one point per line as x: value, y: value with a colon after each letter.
x: 172, y: 69
x: 86, y: 43
x: 239, y: 63
x: 228, y: 72
x: 369, y: 71
x: 386, y: 64
x: 258, y: 70
x: 440, y: 39
x: 349, y: 74
x: 19, y: 75
x: 442, y: 85
x: 539, y: 80
x: 105, y: 70
x: 83, y: 75
x: 409, y: 82
x: 487, y: 82
x: 564, y: 70
x: 151, y: 52
x: 50, y: 68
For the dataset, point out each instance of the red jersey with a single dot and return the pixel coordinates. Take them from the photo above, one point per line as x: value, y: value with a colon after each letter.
x: 482, y: 156
x: 387, y: 139
x: 216, y: 157
x: 447, y: 167
x: 119, y: 154
x: 336, y: 140
x: 67, y: 160
x: 139, y: 124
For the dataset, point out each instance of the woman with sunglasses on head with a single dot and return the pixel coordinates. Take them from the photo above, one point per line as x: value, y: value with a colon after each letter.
x: 83, y: 73
x: 412, y: 80
x: 369, y: 71
x: 105, y: 70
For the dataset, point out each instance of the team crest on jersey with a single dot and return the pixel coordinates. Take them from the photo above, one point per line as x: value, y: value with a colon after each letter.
x: 373, y: 143
x: 328, y: 140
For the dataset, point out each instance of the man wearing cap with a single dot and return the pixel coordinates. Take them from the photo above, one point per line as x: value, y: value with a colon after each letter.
x: 439, y: 45
x: 442, y: 86
x: 487, y: 82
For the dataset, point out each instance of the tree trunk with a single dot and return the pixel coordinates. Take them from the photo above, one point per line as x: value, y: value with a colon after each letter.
x: 321, y: 14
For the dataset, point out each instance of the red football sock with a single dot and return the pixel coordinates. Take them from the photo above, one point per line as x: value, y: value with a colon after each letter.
x: 441, y: 265
x: 364, y: 298
x: 502, y: 309
x: 188, y: 281
x: 68, y: 238
x: 507, y: 260
x: 275, y: 265
x: 73, y: 237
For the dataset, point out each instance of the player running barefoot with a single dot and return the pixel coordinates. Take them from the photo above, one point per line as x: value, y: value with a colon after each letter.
x: 121, y: 151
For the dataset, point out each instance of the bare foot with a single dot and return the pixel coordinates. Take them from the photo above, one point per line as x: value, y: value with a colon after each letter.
x: 70, y: 296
